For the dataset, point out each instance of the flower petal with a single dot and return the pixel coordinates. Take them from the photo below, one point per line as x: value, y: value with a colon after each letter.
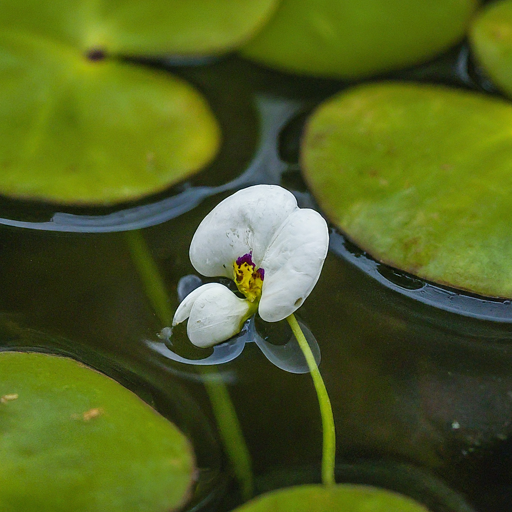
x: 214, y: 314
x: 244, y: 222
x: 293, y: 263
x: 185, y: 307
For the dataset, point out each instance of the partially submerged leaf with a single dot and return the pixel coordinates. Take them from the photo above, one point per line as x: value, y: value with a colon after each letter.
x: 347, y: 39
x: 420, y: 176
x: 491, y: 40
x: 339, y: 498
x: 73, y: 439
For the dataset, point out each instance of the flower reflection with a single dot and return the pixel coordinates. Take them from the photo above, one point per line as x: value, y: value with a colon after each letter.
x: 274, y: 252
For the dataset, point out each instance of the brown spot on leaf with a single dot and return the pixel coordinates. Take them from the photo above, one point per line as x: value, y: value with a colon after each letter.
x: 317, y: 139
x: 89, y: 415
x: 9, y: 398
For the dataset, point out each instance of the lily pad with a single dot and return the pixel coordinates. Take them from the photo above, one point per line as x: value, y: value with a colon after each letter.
x: 420, y: 176
x: 491, y: 40
x: 134, y: 28
x: 80, y: 125
x: 339, y: 498
x: 79, y: 131
x: 347, y: 39
x: 73, y: 439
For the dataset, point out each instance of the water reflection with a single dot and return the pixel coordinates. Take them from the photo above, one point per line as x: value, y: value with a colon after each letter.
x: 415, y: 372
x: 498, y: 310
x: 287, y: 356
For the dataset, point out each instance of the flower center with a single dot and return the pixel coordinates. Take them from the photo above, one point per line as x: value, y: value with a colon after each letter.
x: 248, y: 279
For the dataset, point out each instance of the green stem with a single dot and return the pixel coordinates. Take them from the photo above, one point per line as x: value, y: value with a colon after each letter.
x: 222, y: 405
x: 150, y: 276
x: 230, y: 430
x: 329, y: 432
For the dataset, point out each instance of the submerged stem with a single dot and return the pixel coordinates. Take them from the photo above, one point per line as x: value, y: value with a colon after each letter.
x: 230, y: 430
x: 149, y: 275
x: 222, y: 405
x: 329, y: 432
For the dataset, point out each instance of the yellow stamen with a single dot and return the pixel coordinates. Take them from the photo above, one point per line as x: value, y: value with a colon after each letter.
x: 248, y: 280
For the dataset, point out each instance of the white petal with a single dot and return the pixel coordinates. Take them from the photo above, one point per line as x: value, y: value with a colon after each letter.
x: 183, y: 311
x: 292, y: 264
x: 244, y: 222
x: 214, y: 314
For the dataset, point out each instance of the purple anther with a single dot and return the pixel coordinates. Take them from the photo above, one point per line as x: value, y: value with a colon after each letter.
x: 246, y: 258
x: 261, y: 272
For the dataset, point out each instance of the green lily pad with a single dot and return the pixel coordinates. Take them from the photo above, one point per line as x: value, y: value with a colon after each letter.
x: 347, y: 39
x: 339, y: 498
x: 82, y: 126
x: 73, y: 439
x: 131, y: 27
x: 420, y: 176
x: 79, y: 131
x: 491, y: 40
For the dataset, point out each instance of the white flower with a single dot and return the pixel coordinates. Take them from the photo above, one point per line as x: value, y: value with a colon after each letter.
x: 271, y: 248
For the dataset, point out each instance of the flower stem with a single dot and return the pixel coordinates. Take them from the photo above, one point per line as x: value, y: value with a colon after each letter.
x: 230, y: 430
x: 149, y: 275
x: 223, y: 408
x: 329, y: 432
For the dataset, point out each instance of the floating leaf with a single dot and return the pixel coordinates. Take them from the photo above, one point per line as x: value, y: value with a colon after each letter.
x: 347, y: 39
x: 75, y: 130
x: 73, y: 439
x: 420, y: 176
x: 130, y: 27
x: 339, y: 498
x: 80, y: 126
x: 491, y: 39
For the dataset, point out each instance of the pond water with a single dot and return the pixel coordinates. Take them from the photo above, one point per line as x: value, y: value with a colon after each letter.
x: 419, y: 376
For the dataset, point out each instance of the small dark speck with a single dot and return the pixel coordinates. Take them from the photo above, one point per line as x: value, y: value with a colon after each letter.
x: 96, y: 54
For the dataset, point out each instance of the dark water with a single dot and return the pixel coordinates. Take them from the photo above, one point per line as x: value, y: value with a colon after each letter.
x: 420, y: 377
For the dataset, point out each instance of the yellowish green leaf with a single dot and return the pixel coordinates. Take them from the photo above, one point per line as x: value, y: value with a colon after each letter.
x: 338, y: 498
x: 420, y: 176
x: 354, y: 39
x: 491, y: 39
x: 81, y: 131
x: 73, y: 439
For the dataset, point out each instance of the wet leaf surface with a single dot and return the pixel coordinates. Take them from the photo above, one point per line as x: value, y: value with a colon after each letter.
x: 348, y: 39
x: 420, y: 177
x: 73, y: 439
x: 342, y: 498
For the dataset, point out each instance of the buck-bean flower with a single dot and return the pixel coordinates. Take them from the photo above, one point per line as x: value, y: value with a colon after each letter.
x: 273, y: 251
